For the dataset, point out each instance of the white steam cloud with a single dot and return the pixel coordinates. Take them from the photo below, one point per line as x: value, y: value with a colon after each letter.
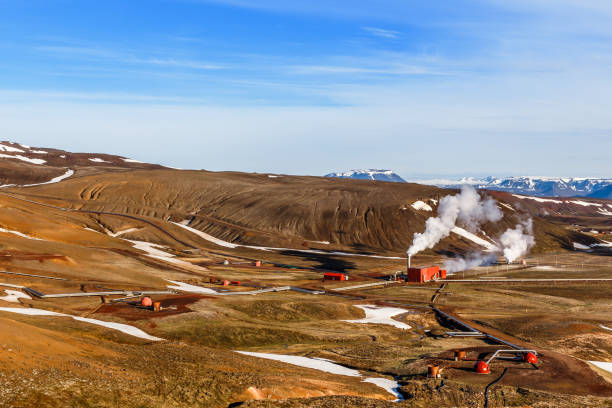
x: 472, y: 211
x: 466, y: 207
x: 516, y: 242
x: 471, y: 261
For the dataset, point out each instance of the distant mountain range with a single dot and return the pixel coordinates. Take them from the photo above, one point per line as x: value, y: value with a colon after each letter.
x: 369, y: 174
x: 535, y: 186
x: 532, y: 186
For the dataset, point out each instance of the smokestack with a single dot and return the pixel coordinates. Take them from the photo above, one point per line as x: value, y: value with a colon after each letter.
x: 409, y: 256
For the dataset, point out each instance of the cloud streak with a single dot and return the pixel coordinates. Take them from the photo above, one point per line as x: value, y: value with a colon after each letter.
x: 381, y: 32
x: 126, y: 58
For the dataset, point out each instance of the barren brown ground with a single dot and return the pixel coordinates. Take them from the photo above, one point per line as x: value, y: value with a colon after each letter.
x: 56, y: 361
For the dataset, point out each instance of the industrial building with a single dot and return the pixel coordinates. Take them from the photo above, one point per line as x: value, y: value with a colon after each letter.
x: 425, y: 274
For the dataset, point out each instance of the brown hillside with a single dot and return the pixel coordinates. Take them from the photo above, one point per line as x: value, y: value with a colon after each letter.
x: 285, y: 211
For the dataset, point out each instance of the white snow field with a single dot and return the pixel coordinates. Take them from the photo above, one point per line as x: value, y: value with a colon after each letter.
x: 124, y: 328
x: 421, y: 206
x: 381, y: 315
x: 19, y: 234
x: 13, y: 296
x: 328, y: 366
x: 580, y: 246
x: 206, y: 236
x: 23, y: 158
x: 57, y: 179
x: 122, y: 232
x: 538, y: 199
x: 585, y: 204
x: 226, y: 244
x: 185, y: 287
x: 5, y: 148
x: 603, y: 365
x: 153, y: 252
x: 474, y: 238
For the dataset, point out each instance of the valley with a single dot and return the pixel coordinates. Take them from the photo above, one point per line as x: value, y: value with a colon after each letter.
x: 240, y: 315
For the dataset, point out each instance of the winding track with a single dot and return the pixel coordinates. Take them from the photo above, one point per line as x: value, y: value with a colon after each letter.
x: 162, y: 229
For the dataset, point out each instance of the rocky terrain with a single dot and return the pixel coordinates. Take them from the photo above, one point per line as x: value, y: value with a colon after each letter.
x: 236, y: 261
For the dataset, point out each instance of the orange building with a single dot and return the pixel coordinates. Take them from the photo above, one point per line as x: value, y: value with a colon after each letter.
x: 425, y: 274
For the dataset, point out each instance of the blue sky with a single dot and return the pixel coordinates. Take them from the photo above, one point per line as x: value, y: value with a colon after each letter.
x: 482, y: 87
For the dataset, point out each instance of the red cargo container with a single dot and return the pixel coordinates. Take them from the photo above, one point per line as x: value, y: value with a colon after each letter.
x: 335, y: 276
x: 442, y: 273
x: 425, y: 274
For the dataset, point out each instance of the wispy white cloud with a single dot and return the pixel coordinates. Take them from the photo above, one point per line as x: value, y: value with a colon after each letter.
x: 169, y: 62
x: 381, y: 32
x: 336, y: 69
x: 127, y: 57
x: 76, y: 50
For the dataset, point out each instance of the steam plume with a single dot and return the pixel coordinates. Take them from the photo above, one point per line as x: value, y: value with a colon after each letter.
x: 516, y: 242
x: 467, y: 207
x: 471, y: 261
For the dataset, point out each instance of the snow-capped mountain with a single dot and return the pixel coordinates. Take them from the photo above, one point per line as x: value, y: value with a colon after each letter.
x: 535, y: 186
x: 370, y: 174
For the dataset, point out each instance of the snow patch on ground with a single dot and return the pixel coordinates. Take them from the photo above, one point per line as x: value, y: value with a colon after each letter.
x: 153, y: 252
x: 226, y: 244
x: 98, y: 160
x: 124, y: 328
x: 580, y: 246
x: 585, y: 204
x: 306, y: 362
x: 474, y: 238
x: 421, y: 206
x: 131, y: 161
x: 206, y: 236
x: 391, y: 386
x: 327, y: 366
x: 119, y: 233
x: 39, y: 152
x: 57, y: 179
x: 14, y: 296
x: 508, y: 206
x: 603, y: 365
x: 20, y: 234
x: 601, y: 325
x: 316, y: 251
x: 23, y: 158
x: 185, y: 287
x: 538, y: 199
x: 381, y: 315
x: 4, y: 148
x: 604, y: 212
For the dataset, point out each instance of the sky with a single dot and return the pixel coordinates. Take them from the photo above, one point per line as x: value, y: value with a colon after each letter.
x: 444, y: 88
